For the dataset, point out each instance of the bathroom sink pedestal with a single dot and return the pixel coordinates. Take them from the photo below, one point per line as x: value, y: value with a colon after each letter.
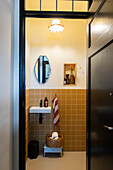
x: 40, y: 118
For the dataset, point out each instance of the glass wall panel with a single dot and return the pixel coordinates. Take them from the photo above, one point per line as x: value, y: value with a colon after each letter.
x: 48, y: 5
x: 64, y: 5
x: 32, y: 5
x: 80, y: 6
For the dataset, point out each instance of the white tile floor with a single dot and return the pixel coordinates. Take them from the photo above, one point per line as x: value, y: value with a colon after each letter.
x: 69, y: 161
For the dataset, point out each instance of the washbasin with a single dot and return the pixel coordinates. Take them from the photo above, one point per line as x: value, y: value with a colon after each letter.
x: 44, y: 110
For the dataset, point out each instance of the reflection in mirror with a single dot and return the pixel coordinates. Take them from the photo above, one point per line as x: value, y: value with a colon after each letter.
x: 42, y: 69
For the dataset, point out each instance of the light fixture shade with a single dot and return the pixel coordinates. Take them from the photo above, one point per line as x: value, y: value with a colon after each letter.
x: 56, y: 27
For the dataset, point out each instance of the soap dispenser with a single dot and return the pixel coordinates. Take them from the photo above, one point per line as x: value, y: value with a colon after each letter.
x: 46, y: 102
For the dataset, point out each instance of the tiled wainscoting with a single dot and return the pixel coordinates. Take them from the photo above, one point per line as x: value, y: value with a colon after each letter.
x: 72, y: 110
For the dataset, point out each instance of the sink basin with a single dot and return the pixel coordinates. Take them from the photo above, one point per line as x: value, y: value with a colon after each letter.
x: 40, y: 110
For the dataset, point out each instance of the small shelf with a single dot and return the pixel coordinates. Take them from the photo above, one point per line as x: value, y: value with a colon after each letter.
x: 70, y: 74
x: 40, y: 110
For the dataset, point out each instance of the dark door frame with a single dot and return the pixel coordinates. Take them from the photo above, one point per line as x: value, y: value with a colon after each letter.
x: 33, y: 14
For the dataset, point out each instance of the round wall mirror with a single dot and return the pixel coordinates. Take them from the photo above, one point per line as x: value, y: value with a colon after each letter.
x: 42, y: 69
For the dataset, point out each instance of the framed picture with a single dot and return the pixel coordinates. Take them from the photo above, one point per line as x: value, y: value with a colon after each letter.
x: 70, y: 74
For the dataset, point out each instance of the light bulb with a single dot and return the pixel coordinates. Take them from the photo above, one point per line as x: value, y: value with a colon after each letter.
x: 56, y: 27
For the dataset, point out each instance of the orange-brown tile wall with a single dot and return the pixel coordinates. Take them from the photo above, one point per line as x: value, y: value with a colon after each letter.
x: 27, y: 100
x: 72, y: 110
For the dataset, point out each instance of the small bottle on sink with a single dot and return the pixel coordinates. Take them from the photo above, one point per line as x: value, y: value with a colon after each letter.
x: 40, y: 103
x: 46, y: 102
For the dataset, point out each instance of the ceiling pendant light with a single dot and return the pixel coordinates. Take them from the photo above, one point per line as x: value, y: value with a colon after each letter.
x: 56, y: 27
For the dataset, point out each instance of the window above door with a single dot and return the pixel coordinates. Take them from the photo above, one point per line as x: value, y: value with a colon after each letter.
x: 60, y: 5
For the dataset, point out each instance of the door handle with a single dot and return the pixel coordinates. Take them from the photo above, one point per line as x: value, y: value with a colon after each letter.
x: 108, y: 127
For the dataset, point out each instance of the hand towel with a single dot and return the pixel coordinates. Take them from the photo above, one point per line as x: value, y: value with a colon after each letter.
x: 56, y: 118
x: 54, y: 135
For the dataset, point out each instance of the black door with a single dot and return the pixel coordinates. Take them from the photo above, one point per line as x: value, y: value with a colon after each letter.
x: 101, y: 112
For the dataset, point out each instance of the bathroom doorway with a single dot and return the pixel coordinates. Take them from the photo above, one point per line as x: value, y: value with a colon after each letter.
x: 58, y: 48
x: 72, y: 109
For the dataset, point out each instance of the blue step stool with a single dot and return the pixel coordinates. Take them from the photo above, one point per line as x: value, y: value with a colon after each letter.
x: 52, y: 150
